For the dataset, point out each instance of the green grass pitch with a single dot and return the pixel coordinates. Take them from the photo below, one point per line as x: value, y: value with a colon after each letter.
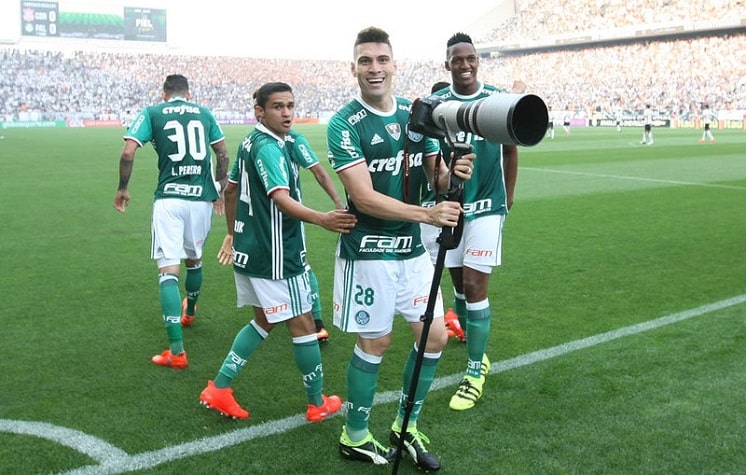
x: 606, y: 235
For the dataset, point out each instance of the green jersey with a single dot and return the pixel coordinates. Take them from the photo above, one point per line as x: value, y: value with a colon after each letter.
x: 301, y: 155
x: 266, y: 243
x: 485, y: 192
x: 359, y: 135
x: 182, y: 133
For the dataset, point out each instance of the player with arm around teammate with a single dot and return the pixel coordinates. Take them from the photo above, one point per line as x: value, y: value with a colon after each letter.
x: 265, y: 244
x: 182, y: 134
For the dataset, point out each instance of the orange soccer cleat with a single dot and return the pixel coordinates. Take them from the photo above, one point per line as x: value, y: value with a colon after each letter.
x: 329, y: 406
x: 454, y: 326
x: 171, y: 360
x: 186, y: 320
x: 222, y: 400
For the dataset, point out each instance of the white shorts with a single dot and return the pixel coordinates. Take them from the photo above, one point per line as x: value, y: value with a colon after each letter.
x: 481, y: 244
x: 367, y: 294
x: 280, y: 300
x: 179, y: 228
x: 429, y: 235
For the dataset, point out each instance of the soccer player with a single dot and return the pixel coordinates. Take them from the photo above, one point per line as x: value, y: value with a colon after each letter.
x: 707, y: 118
x: 647, y: 121
x: 302, y: 155
x: 182, y: 134
x: 382, y: 268
x: 550, y: 123
x: 487, y: 199
x: 265, y: 243
x: 618, y: 117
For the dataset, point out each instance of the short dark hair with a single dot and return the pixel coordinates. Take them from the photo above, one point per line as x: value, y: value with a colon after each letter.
x: 459, y: 38
x: 372, y: 34
x: 262, y: 94
x: 439, y: 85
x: 175, y: 84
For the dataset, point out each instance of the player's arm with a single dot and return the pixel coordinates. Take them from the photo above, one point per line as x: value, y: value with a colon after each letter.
x: 126, y: 161
x: 222, y: 160
x: 230, y: 197
x: 325, y: 181
x: 339, y: 221
x: 510, y: 171
x: 357, y: 182
x: 221, y: 174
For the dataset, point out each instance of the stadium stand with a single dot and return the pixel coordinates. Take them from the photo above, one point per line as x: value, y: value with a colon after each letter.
x: 676, y: 75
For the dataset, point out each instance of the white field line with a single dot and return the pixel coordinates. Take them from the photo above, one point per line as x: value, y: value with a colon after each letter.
x: 112, y: 460
x: 633, y: 178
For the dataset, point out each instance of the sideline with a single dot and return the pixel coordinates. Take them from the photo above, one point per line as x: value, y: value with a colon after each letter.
x: 113, y: 460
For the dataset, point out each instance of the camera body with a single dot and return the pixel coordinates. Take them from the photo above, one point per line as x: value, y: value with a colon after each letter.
x: 511, y: 119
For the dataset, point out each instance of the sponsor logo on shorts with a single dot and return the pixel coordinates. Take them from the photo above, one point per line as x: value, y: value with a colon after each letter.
x: 275, y: 309
x: 420, y: 300
x: 479, y: 252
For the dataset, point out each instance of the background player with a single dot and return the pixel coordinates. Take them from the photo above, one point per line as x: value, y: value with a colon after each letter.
x: 182, y: 134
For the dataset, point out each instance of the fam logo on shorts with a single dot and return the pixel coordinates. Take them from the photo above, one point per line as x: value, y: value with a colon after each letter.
x: 362, y: 318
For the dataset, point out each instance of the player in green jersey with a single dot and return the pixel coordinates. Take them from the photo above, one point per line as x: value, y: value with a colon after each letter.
x: 182, y: 134
x: 487, y: 199
x: 381, y: 267
x: 302, y: 156
x: 264, y: 242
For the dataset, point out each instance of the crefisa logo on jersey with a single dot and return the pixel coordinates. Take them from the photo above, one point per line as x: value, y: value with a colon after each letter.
x: 362, y: 318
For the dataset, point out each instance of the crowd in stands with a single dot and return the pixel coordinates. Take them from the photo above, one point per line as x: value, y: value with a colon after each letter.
x: 539, y: 19
x: 677, y: 77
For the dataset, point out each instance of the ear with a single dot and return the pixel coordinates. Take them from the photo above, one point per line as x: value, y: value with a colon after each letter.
x: 352, y: 68
x: 258, y: 111
x: 447, y: 64
x: 188, y: 96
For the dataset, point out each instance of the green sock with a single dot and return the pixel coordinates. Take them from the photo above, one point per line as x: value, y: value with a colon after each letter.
x: 171, y: 310
x: 459, y: 306
x: 476, y: 343
x: 193, y: 285
x: 427, y: 374
x: 362, y: 380
x: 246, y: 341
x: 308, y: 359
x: 316, y: 305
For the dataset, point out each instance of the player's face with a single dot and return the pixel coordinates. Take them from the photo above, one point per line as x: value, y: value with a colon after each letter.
x: 374, y: 69
x: 463, y: 63
x: 278, y: 113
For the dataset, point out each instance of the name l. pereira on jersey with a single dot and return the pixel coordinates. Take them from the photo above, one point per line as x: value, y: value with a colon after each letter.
x: 386, y: 244
x: 183, y: 170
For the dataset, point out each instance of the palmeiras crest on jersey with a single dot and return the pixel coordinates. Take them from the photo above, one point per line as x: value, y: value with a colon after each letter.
x: 394, y: 130
x: 362, y: 318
